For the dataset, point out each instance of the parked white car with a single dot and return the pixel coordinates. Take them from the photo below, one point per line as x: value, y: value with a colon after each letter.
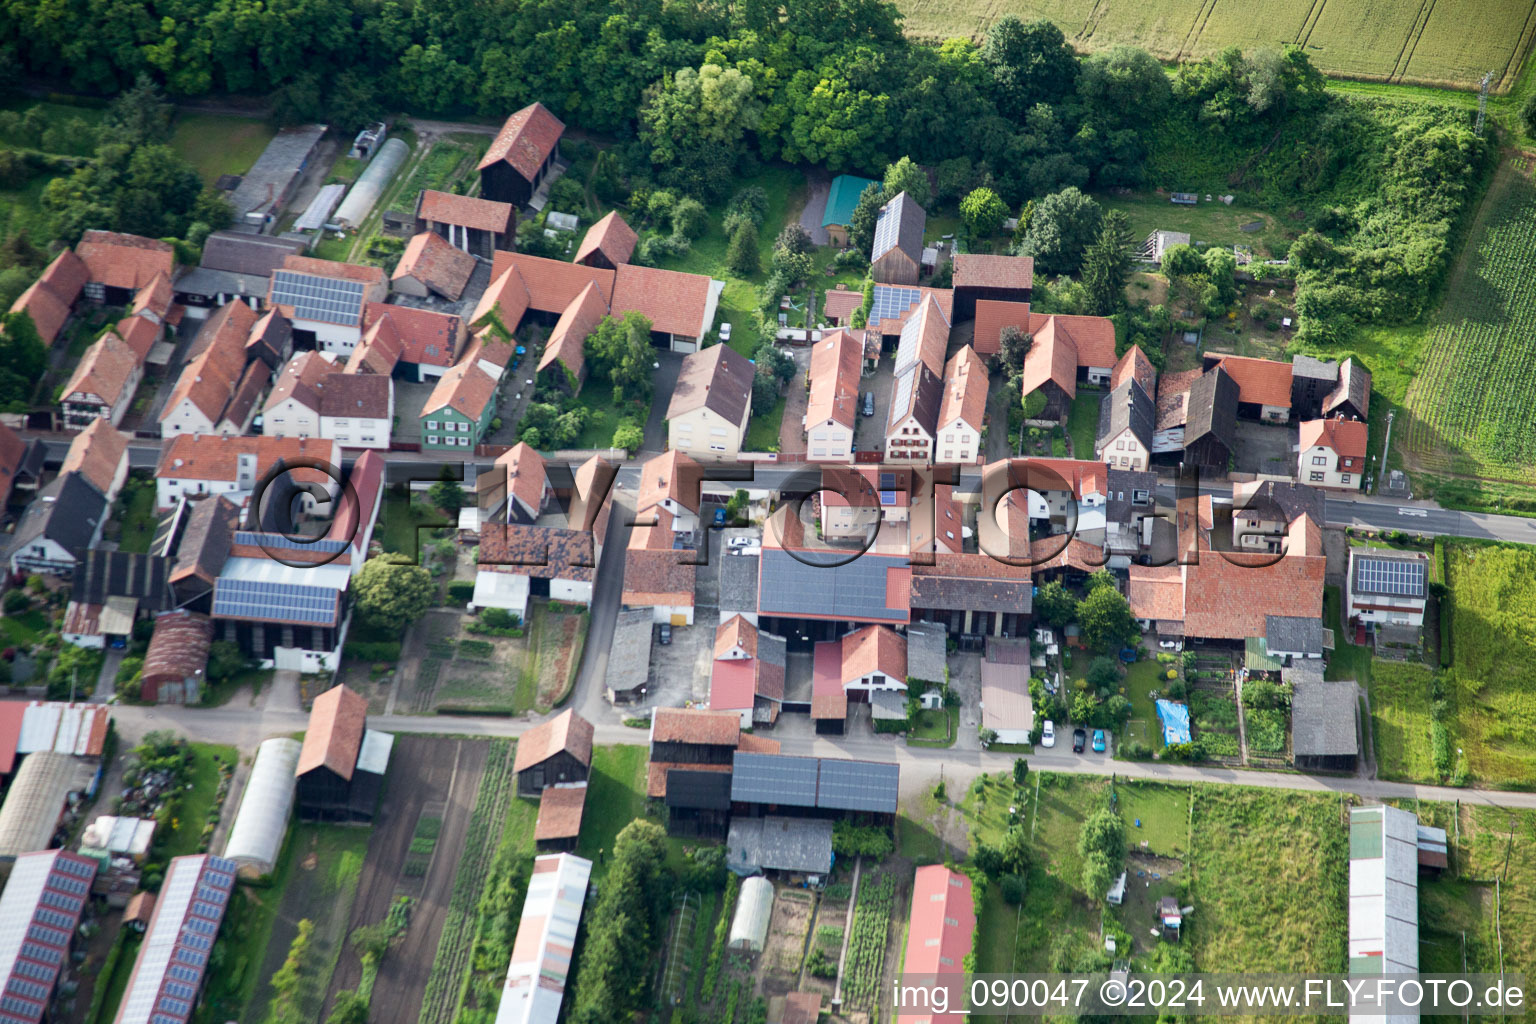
x: 1048, y: 734
x: 725, y: 333
x: 743, y: 542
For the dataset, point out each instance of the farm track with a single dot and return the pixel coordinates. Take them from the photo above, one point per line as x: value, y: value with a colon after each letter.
x: 1423, y: 25
x: 1196, y: 27
x: 1304, y: 32
x: 1516, y: 58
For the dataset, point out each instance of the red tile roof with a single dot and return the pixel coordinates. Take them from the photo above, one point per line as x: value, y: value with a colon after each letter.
x: 12, y: 451
x: 828, y: 698
x: 464, y: 388
x: 507, y: 297
x: 96, y: 453
x: 354, y: 520
x: 733, y: 633
x: 550, y: 284
x: 965, y: 390
x: 992, y: 315
x: 379, y: 350
x: 1347, y: 438
x: 334, y: 268
x: 178, y: 649
x: 801, y: 1008
x: 210, y: 457
x: 50, y: 298
x: 426, y: 336
x: 465, y: 211
x: 1260, y: 381
x: 656, y: 772
x: 212, y: 375
x: 140, y: 333
x: 337, y: 720
x: 560, y: 810
x: 982, y: 271
x: 103, y: 370
x: 1156, y: 592
x: 717, y: 378
x: 671, y: 475
x: 695, y: 725
x: 125, y: 261
x: 841, y: 302
x: 674, y: 302
x: 299, y: 379
x: 526, y: 476
x: 1136, y: 366
x: 526, y: 140
x: 567, y: 732
x: 874, y: 649
x: 155, y: 297
x: 1059, y: 552
x: 364, y: 395
x: 658, y: 577
x: 1052, y: 357
x: 836, y: 361
x: 438, y: 265
x: 567, y: 342
x: 612, y: 237
x: 732, y: 684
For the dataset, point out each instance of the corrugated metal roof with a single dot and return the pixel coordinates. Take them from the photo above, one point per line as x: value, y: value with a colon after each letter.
x: 373, y: 756
x: 1383, y: 891
x: 546, y: 940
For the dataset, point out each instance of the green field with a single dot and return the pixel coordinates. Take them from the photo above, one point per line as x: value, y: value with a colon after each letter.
x: 615, y: 797
x: 1401, y: 716
x: 216, y: 144
x: 1207, y: 224
x: 1471, y: 410
x: 1447, y: 42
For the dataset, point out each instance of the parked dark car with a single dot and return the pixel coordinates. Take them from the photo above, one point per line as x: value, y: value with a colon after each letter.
x: 1079, y: 740
x: 869, y: 403
x: 719, y: 517
x: 666, y: 636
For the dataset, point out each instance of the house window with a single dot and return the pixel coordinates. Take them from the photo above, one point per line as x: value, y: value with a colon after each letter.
x: 367, y: 438
x: 1119, y: 446
x: 949, y: 438
x: 432, y: 425
x: 684, y: 425
x: 431, y: 350
x: 1343, y: 478
x: 1319, y: 460
x: 1317, y: 477
x: 1140, y: 497
x: 819, y: 453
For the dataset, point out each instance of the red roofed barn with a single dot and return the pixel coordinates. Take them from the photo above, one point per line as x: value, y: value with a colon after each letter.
x: 942, y: 930
x: 521, y: 156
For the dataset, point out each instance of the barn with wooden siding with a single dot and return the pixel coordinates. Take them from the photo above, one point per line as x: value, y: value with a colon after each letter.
x: 554, y: 753
x: 342, y: 763
x: 521, y: 156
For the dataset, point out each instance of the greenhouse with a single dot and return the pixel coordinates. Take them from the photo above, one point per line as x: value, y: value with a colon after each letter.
x: 371, y: 184
x: 37, y: 799
x: 749, y: 928
x: 262, y: 821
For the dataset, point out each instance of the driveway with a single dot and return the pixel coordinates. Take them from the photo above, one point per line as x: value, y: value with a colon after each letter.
x: 818, y: 188
x: 791, y: 430
x: 1265, y: 448
x: 663, y: 380
x: 869, y: 432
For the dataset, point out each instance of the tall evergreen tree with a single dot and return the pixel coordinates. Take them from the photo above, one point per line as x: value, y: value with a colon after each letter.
x: 1107, y: 264
x: 861, y: 233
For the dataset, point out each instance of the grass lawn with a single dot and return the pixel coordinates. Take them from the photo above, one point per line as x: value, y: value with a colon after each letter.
x: 935, y: 728
x: 1163, y: 812
x: 23, y: 629
x: 1401, y: 718
x: 916, y: 842
x: 1141, y: 678
x: 763, y: 428
x: 1208, y: 223
x: 603, y: 417
x: 139, y: 524
x: 216, y: 144
x: 218, y: 694
x: 400, y: 520
x: 1083, y: 422
x: 615, y: 797
x: 195, y: 803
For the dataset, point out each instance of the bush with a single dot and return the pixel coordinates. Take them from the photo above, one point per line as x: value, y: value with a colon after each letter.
x: 460, y: 591
x: 373, y: 650
x: 15, y: 600
x: 1013, y: 890
x: 500, y: 618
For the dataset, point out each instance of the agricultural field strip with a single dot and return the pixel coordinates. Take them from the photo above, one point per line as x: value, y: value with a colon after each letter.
x: 870, y: 936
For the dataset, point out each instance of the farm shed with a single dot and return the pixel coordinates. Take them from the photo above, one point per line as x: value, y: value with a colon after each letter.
x: 342, y: 763
x: 1324, y: 736
x: 40, y: 910
x: 754, y: 907
x: 177, y: 657
x: 559, y: 821
x: 1383, y: 891
x: 552, y: 753
x: 36, y: 801
x: 262, y: 821
x: 169, y: 970
x: 110, y: 836
x: 546, y: 937
x: 1005, y: 705
x: 800, y: 846
x: 841, y: 199
x: 698, y: 803
x: 265, y: 188
x: 370, y: 185
x: 943, y: 923
x: 1433, y: 850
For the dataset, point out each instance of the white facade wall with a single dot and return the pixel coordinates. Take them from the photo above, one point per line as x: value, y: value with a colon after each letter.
x: 1319, y: 466
x: 570, y: 591
x: 340, y: 339
x: 876, y: 681
x: 354, y: 432
x: 705, y: 434
x: 829, y: 441
x: 1124, y: 451
x: 291, y: 418
x: 187, y: 419
x: 169, y: 490
x: 958, y: 442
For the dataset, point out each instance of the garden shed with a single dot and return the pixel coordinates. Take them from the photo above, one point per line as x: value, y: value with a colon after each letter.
x: 262, y: 821
x: 749, y: 928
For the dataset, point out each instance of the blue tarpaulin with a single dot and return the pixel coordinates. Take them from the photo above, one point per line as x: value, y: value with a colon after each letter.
x: 1175, y: 719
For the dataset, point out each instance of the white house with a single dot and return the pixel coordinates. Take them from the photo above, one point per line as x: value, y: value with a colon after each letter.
x: 205, y: 464
x: 1332, y: 453
x: 103, y: 383
x: 874, y: 658
x: 964, y: 408
x: 293, y: 407
x: 211, y: 379
x: 357, y: 410
x: 707, y: 417
x: 326, y: 300
x: 671, y: 483
x: 914, y: 416
x: 1387, y: 587
x: 832, y: 408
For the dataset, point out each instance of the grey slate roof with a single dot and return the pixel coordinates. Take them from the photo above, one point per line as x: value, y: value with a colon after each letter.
x: 1292, y: 634
x: 629, y: 660
x: 31, y: 465
x: 1128, y: 406
x: 1316, y: 369
x: 926, y: 643
x: 103, y: 574
x: 1123, y: 484
x: 1293, y: 499
x: 1212, y: 408
x: 275, y: 170
x: 779, y: 844
x: 207, y: 281
x: 1323, y: 719
x: 738, y: 583
x: 900, y: 226
x: 65, y: 512
x: 254, y: 255
x: 854, y: 592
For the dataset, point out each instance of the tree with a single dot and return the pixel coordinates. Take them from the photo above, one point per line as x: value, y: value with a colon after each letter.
x: 794, y: 239
x: 1055, y: 605
x: 628, y: 436
x: 1528, y: 114
x: 1097, y: 579
x: 983, y: 212
x: 953, y: 178
x: 224, y: 660
x: 1061, y: 228
x: 446, y: 493
x: 390, y: 592
x: 741, y: 257
x: 1107, y: 264
x: 141, y: 114
x: 748, y: 204
x: 1098, y: 875
x: 696, y: 111
x: 1182, y: 261
x: 1029, y: 63
x: 689, y: 218
x: 1106, y: 620
x: 861, y: 230
x: 736, y: 508
x: 22, y: 357
x: 1221, y: 265
x: 1123, y: 86
x: 793, y: 266
x: 1016, y: 850
x: 1013, y: 346
x: 349, y: 1008
x: 620, y: 352
x: 622, y: 928
x: 1103, y: 673
x: 1103, y: 832
x: 1034, y: 404
x: 906, y: 176
x: 1020, y: 771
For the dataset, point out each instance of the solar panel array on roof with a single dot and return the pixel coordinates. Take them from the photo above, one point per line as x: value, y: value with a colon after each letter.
x: 855, y: 591
x: 266, y: 539
x: 1390, y: 576
x: 327, y: 299
x: 891, y: 302
x: 902, y: 398
x: 289, y: 602
x: 858, y: 786
x: 774, y: 779
x: 698, y: 790
x: 887, y: 228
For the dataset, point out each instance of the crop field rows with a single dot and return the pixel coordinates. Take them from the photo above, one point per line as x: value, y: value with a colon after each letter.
x: 1420, y: 41
x: 1471, y: 408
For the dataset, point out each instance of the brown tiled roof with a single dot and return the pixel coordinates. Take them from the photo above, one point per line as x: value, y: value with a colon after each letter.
x: 841, y: 302
x: 140, y: 909
x: 354, y: 520
x: 334, y: 268
x: 656, y: 771
x: 735, y: 632
x: 241, y: 253
x: 542, y: 552
x: 1052, y: 357
x: 836, y: 361
x: 992, y: 315
x: 487, y: 347
x: 1173, y: 397
x: 526, y: 476
x: 178, y: 649
x: 206, y: 539
x: 1156, y: 592
x: 210, y: 457
x: 719, y: 379
x: 299, y: 379
x: 612, y: 237
x: 550, y: 284
x: 965, y: 390
x: 1061, y: 552
x: 13, y: 451
x: 437, y: 264
x: 337, y: 720
x: 670, y: 475
x: 1223, y: 600
x: 567, y: 342
x: 465, y: 388
x: 526, y: 140
x: 103, y: 370
x: 828, y: 698
x: 465, y: 211
x: 674, y: 302
x: 140, y: 333
x: 907, y: 232
x: 50, y: 298
x: 125, y: 261
x: 560, y: 810
x: 210, y: 378
x: 925, y: 393
x: 419, y: 330
x: 567, y: 732
x: 874, y: 649
x: 1260, y: 382
x: 695, y: 725
x: 973, y: 270
x: 1346, y: 437
x: 379, y: 350
x: 591, y: 495
x: 96, y: 453
x: 1354, y: 387
x: 507, y: 297
x: 247, y: 393
x: 658, y: 576
x: 155, y: 297
x: 1094, y: 337
x: 751, y: 743
x: 364, y: 395
x: 801, y: 1008
x: 1136, y: 366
